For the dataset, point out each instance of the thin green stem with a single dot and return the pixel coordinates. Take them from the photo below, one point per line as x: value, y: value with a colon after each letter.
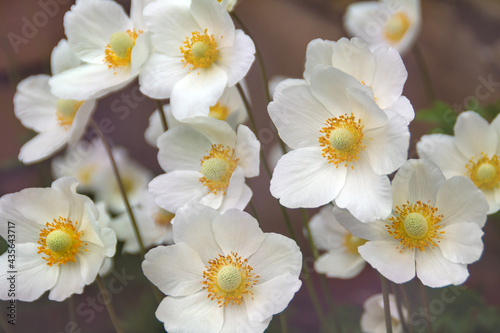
x: 109, y: 307
x: 121, y: 187
x: 315, y: 300
x: 284, y: 326
x: 408, y: 305
x: 387, y: 306
x: 310, y: 240
x: 402, y: 318
x: 163, y: 118
x: 5, y: 325
x: 254, y: 210
x: 425, y: 304
x: 71, y: 309
x: 424, y: 70
x: 331, y: 305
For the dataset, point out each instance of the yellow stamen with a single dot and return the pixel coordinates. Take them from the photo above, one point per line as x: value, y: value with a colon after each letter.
x: 119, y: 50
x: 228, y: 279
x: 200, y: 51
x: 485, y: 173
x: 66, y: 111
x: 162, y: 217
x: 396, y: 27
x: 218, y: 111
x: 217, y: 168
x: 352, y: 243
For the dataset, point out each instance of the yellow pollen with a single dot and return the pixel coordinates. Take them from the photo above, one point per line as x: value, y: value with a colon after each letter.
x: 66, y: 110
x: 60, y: 241
x: 415, y: 226
x: 342, y: 140
x: 485, y: 173
x: 396, y: 27
x: 218, y: 111
x: 352, y: 243
x: 217, y: 168
x: 228, y: 279
x: 162, y: 217
x: 200, y: 51
x: 119, y: 50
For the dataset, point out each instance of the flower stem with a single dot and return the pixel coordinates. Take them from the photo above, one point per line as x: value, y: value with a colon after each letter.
x: 315, y: 300
x: 284, y: 327
x: 408, y: 306
x: 121, y: 187
x: 387, y: 306
x: 109, y: 307
x: 163, y: 118
x: 402, y: 318
x: 425, y: 303
x: 5, y: 326
x: 422, y: 66
x: 71, y: 309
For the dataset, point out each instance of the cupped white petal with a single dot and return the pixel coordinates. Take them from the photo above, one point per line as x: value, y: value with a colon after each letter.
x: 217, y: 131
x: 247, y: 151
x: 237, y: 58
x: 469, y: 127
x: 136, y: 13
x: 361, y: 20
x: 140, y: 53
x: 318, y: 52
x: 91, y: 260
x: 236, y: 319
x: 353, y: 57
x: 435, y: 271
x: 63, y: 58
x: 390, y: 76
x: 336, y: 264
x: 461, y: 242
x: 69, y: 282
x: 403, y: 107
x: 326, y: 231
x: 43, y: 146
x: 80, y: 122
x: 238, y: 195
x: 160, y: 74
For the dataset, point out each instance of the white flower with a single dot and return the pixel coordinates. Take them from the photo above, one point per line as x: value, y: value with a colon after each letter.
x: 228, y: 4
x: 223, y: 274
x: 382, y: 70
x: 112, y: 46
x: 58, y: 241
x: 473, y: 152
x: 153, y: 223
x: 373, y: 317
x: 434, y: 230
x: 344, y: 145
x: 342, y: 259
x: 229, y: 108
x: 207, y: 162
x: 198, y: 53
x: 393, y: 23
x: 57, y: 121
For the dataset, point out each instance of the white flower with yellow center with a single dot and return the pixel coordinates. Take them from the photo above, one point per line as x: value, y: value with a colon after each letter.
x: 341, y: 259
x: 373, y: 317
x: 205, y: 161
x: 229, y: 108
x: 60, y: 245
x: 382, y: 70
x: 154, y: 225
x: 473, y: 152
x: 343, y: 145
x: 198, y: 53
x: 394, y: 23
x: 434, y: 230
x: 223, y: 274
x: 112, y: 47
x: 57, y: 121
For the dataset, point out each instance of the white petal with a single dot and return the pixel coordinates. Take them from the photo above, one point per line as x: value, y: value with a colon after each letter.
x: 67, y: 186
x: 353, y: 57
x: 327, y: 233
x: 91, y: 262
x: 247, y: 151
x: 376, y: 231
x: 304, y: 178
x: 176, y: 270
x: 217, y: 131
x: 68, y: 282
x: 193, y: 313
x: 365, y: 194
x: 473, y: 135
x: 236, y: 320
x: 237, y: 196
x: 319, y: 52
x: 403, y: 107
x: 80, y: 122
x: 361, y: 20
x: 461, y: 243
x: 396, y: 264
x: 213, y: 17
x: 140, y: 53
x: 436, y: 271
x: 160, y: 74
x: 237, y: 59
x: 390, y: 76
x: 63, y: 58
x: 336, y: 264
x: 136, y: 13
x: 33, y: 277
x: 458, y: 200
x: 496, y: 127
x: 43, y: 146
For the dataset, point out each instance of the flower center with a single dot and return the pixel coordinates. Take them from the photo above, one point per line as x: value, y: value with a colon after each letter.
x: 228, y: 279
x: 217, y: 168
x: 415, y: 226
x: 60, y: 241
x: 485, y: 173
x: 396, y: 27
x: 200, y: 51
x: 352, y: 243
x: 119, y: 50
x: 162, y: 217
x: 342, y: 140
x: 218, y: 111
x: 66, y: 110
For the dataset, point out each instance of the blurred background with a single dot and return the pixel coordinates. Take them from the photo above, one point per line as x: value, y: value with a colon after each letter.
x: 460, y: 43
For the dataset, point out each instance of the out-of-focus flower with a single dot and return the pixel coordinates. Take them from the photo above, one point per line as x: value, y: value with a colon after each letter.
x: 112, y: 47
x: 473, y: 152
x: 153, y: 222
x: 223, y: 274
x: 206, y: 162
x: 57, y: 121
x: 434, y: 230
x: 393, y: 23
x: 59, y: 243
x: 342, y: 259
x: 382, y: 70
x: 228, y: 4
x: 198, y: 53
x: 344, y: 145
x: 373, y: 317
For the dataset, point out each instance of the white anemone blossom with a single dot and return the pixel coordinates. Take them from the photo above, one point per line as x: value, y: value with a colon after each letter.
x: 205, y: 161
x: 57, y: 121
x: 373, y: 317
x: 112, y: 46
x: 344, y: 145
x: 341, y: 259
x: 434, y: 230
x: 382, y: 70
x: 59, y: 243
x: 198, y: 53
x: 473, y: 152
x: 223, y: 274
x: 393, y: 23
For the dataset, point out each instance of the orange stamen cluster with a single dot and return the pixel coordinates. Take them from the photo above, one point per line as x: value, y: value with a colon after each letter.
x: 217, y: 168
x: 118, y: 59
x: 200, y: 51
x: 485, y: 172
